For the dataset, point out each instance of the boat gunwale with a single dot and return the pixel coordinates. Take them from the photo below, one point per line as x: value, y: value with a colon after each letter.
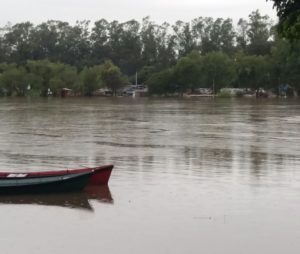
x: 42, y: 174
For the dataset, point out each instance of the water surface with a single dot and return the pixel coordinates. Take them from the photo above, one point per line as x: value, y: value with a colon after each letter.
x: 191, y: 176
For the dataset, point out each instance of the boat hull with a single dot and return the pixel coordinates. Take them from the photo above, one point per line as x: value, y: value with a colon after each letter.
x: 100, y: 175
x: 97, y: 175
x: 48, y: 184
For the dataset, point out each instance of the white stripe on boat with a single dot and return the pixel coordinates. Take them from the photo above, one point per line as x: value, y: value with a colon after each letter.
x: 17, y: 175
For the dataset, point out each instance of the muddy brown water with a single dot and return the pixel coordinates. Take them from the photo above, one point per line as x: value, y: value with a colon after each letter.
x: 191, y: 176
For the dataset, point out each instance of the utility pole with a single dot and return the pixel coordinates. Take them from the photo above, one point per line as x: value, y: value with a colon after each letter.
x: 136, y: 80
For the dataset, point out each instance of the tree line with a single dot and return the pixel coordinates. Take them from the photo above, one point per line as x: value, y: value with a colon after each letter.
x: 168, y: 58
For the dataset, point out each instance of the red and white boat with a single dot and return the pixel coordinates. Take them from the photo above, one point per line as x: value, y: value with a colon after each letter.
x: 54, y: 181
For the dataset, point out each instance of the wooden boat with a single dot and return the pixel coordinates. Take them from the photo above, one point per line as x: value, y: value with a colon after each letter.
x: 53, y: 181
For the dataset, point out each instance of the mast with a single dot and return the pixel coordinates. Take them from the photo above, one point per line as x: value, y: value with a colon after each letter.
x: 136, y: 79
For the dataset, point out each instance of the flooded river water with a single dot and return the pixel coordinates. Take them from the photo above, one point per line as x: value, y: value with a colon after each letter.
x: 191, y: 176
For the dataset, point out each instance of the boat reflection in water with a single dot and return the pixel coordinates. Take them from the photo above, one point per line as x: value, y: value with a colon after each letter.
x: 75, y: 200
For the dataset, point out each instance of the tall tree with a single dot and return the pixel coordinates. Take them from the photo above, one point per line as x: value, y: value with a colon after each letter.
x: 78, y: 44
x: 19, y: 40
x: 4, y: 46
x: 185, y: 42
x: 213, y: 35
x: 259, y: 34
x: 45, y: 39
x: 166, y: 44
x: 241, y: 37
x: 148, y: 36
x: 227, y: 37
x: 288, y: 12
x: 101, y: 50
x: 130, y: 54
x: 125, y: 45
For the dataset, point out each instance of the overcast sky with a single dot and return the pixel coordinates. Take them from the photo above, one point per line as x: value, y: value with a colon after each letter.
x: 38, y: 11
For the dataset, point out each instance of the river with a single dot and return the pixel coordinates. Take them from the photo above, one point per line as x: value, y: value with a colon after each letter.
x: 191, y: 176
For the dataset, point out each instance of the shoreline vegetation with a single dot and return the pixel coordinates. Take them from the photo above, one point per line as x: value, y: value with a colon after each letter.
x: 205, y: 57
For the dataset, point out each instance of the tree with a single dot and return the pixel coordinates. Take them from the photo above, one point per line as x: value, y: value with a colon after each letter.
x: 41, y: 72
x: 161, y: 82
x: 185, y: 43
x: 227, y: 37
x: 59, y: 41
x: 44, y: 75
x: 285, y: 63
x: 19, y: 41
x: 213, y: 35
x: 187, y: 72
x: 259, y: 34
x: 288, y: 12
x: 148, y: 34
x: 129, y: 58
x: 125, y: 45
x: 64, y: 76
x: 241, y: 38
x: 145, y: 73
x: 252, y: 71
x: 112, y: 77
x: 13, y: 80
x: 218, y: 70
x: 166, y: 44
x: 45, y: 40
x: 158, y: 45
x: 77, y: 45
x: 4, y: 46
x: 91, y: 79
x: 99, y: 42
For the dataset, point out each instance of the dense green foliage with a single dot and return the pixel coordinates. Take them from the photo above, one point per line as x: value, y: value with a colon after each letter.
x: 203, y: 53
x: 289, y: 18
